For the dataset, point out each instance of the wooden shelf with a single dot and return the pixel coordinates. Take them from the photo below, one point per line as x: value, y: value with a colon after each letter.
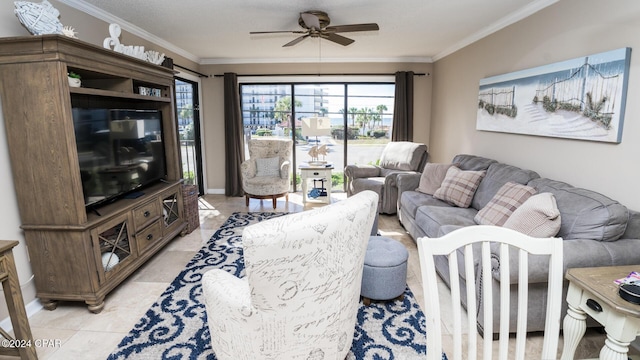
x: 118, y: 94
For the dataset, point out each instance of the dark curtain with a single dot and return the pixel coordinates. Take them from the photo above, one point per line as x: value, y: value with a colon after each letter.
x: 402, y: 129
x: 234, y: 136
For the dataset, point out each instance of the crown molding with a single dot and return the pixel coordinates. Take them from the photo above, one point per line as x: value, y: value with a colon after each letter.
x: 315, y: 60
x: 131, y: 28
x: 512, y: 18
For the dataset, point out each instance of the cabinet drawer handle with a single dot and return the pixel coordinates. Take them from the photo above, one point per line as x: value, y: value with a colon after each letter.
x: 147, y: 213
x: 594, y: 305
x: 316, y: 173
x: 149, y: 237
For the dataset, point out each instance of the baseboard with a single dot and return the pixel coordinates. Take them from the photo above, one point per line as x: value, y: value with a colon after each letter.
x: 31, y: 308
x: 215, y: 191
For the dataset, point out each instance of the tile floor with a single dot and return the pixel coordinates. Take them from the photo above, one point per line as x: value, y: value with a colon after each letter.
x: 83, y: 335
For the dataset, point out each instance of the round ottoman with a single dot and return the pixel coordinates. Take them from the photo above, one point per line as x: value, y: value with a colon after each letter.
x: 385, y: 270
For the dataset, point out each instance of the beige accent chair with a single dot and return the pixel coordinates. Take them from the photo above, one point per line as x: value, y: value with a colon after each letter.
x: 398, y: 157
x: 300, y: 296
x: 266, y: 174
x: 505, y: 258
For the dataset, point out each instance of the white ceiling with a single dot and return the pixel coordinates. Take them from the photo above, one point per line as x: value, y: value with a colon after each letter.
x: 217, y: 31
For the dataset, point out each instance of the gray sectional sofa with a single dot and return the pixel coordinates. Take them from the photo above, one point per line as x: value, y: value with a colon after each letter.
x: 597, y: 231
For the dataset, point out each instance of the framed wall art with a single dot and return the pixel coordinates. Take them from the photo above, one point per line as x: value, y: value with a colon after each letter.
x: 582, y: 98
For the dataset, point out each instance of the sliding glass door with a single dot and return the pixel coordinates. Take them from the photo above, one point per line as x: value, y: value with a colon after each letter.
x: 360, y: 117
x: 318, y: 101
x: 369, y: 120
x: 188, y: 110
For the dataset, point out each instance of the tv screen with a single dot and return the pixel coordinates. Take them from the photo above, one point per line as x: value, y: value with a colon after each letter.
x: 119, y: 151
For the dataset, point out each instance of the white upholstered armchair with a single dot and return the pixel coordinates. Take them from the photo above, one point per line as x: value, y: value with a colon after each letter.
x: 300, y: 296
x: 266, y: 174
x: 398, y: 157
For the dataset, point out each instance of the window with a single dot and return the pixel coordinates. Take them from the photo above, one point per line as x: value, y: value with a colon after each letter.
x: 360, y: 114
x: 187, y: 106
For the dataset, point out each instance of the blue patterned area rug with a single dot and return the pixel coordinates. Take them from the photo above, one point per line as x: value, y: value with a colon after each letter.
x: 175, y: 327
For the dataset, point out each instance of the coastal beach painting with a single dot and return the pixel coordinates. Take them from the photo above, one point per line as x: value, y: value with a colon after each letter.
x: 582, y: 98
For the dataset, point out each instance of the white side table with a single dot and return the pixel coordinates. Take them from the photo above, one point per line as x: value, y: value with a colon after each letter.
x: 316, y: 173
x: 592, y: 292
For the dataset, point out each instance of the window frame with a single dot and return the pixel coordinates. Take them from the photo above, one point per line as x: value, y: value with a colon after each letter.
x: 295, y: 81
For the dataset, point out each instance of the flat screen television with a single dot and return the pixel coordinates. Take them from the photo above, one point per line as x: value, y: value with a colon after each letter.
x: 120, y: 152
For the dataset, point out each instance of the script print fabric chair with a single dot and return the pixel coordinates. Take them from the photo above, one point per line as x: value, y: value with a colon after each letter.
x: 398, y: 157
x: 300, y: 296
x: 504, y: 256
x: 265, y: 175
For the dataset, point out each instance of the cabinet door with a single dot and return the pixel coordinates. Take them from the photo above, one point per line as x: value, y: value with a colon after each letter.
x: 112, y: 242
x: 171, y: 211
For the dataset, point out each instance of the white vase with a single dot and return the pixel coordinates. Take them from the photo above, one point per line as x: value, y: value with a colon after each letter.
x: 73, y: 82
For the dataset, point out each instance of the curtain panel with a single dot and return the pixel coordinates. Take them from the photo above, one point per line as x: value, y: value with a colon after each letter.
x: 234, y: 136
x: 403, y: 107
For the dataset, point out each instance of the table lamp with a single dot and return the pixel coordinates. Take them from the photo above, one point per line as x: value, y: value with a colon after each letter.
x: 316, y: 126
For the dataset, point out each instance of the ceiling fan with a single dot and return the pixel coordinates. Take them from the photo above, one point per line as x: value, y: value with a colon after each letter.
x: 316, y: 24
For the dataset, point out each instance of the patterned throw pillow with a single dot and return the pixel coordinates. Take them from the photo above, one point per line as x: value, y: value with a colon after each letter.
x: 538, y: 216
x: 510, y: 196
x: 268, y: 166
x: 459, y: 186
x: 432, y: 177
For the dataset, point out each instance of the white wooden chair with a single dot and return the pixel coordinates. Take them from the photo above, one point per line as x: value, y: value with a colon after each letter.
x: 500, y: 240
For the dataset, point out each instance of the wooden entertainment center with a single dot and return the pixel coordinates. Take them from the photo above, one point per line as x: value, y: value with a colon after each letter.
x: 79, y: 253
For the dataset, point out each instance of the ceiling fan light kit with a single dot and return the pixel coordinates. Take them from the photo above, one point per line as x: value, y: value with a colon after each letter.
x: 316, y: 25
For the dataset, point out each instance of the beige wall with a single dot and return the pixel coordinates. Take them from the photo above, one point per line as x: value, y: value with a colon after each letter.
x: 213, y: 107
x: 565, y: 30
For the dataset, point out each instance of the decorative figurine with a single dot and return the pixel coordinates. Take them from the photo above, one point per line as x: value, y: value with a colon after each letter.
x: 39, y: 19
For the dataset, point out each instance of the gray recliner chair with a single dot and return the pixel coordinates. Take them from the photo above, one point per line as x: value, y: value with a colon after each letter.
x: 398, y: 157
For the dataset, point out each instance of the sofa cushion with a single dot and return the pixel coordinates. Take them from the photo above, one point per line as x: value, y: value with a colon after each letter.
x: 371, y: 183
x: 472, y: 162
x: 402, y: 155
x: 445, y: 229
x: 499, y: 174
x: 633, y: 226
x: 432, y: 177
x: 577, y: 253
x: 412, y: 200
x: 375, y: 184
x: 431, y: 218
x: 538, y: 217
x: 510, y: 196
x: 268, y: 166
x: 459, y: 186
x: 585, y: 214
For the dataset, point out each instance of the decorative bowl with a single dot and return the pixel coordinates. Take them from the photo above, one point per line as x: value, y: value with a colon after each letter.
x: 74, y: 82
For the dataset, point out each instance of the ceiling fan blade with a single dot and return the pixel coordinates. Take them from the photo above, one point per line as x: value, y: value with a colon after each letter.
x: 339, y: 39
x: 276, y: 32
x: 352, y: 28
x: 312, y: 21
x: 295, y: 41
